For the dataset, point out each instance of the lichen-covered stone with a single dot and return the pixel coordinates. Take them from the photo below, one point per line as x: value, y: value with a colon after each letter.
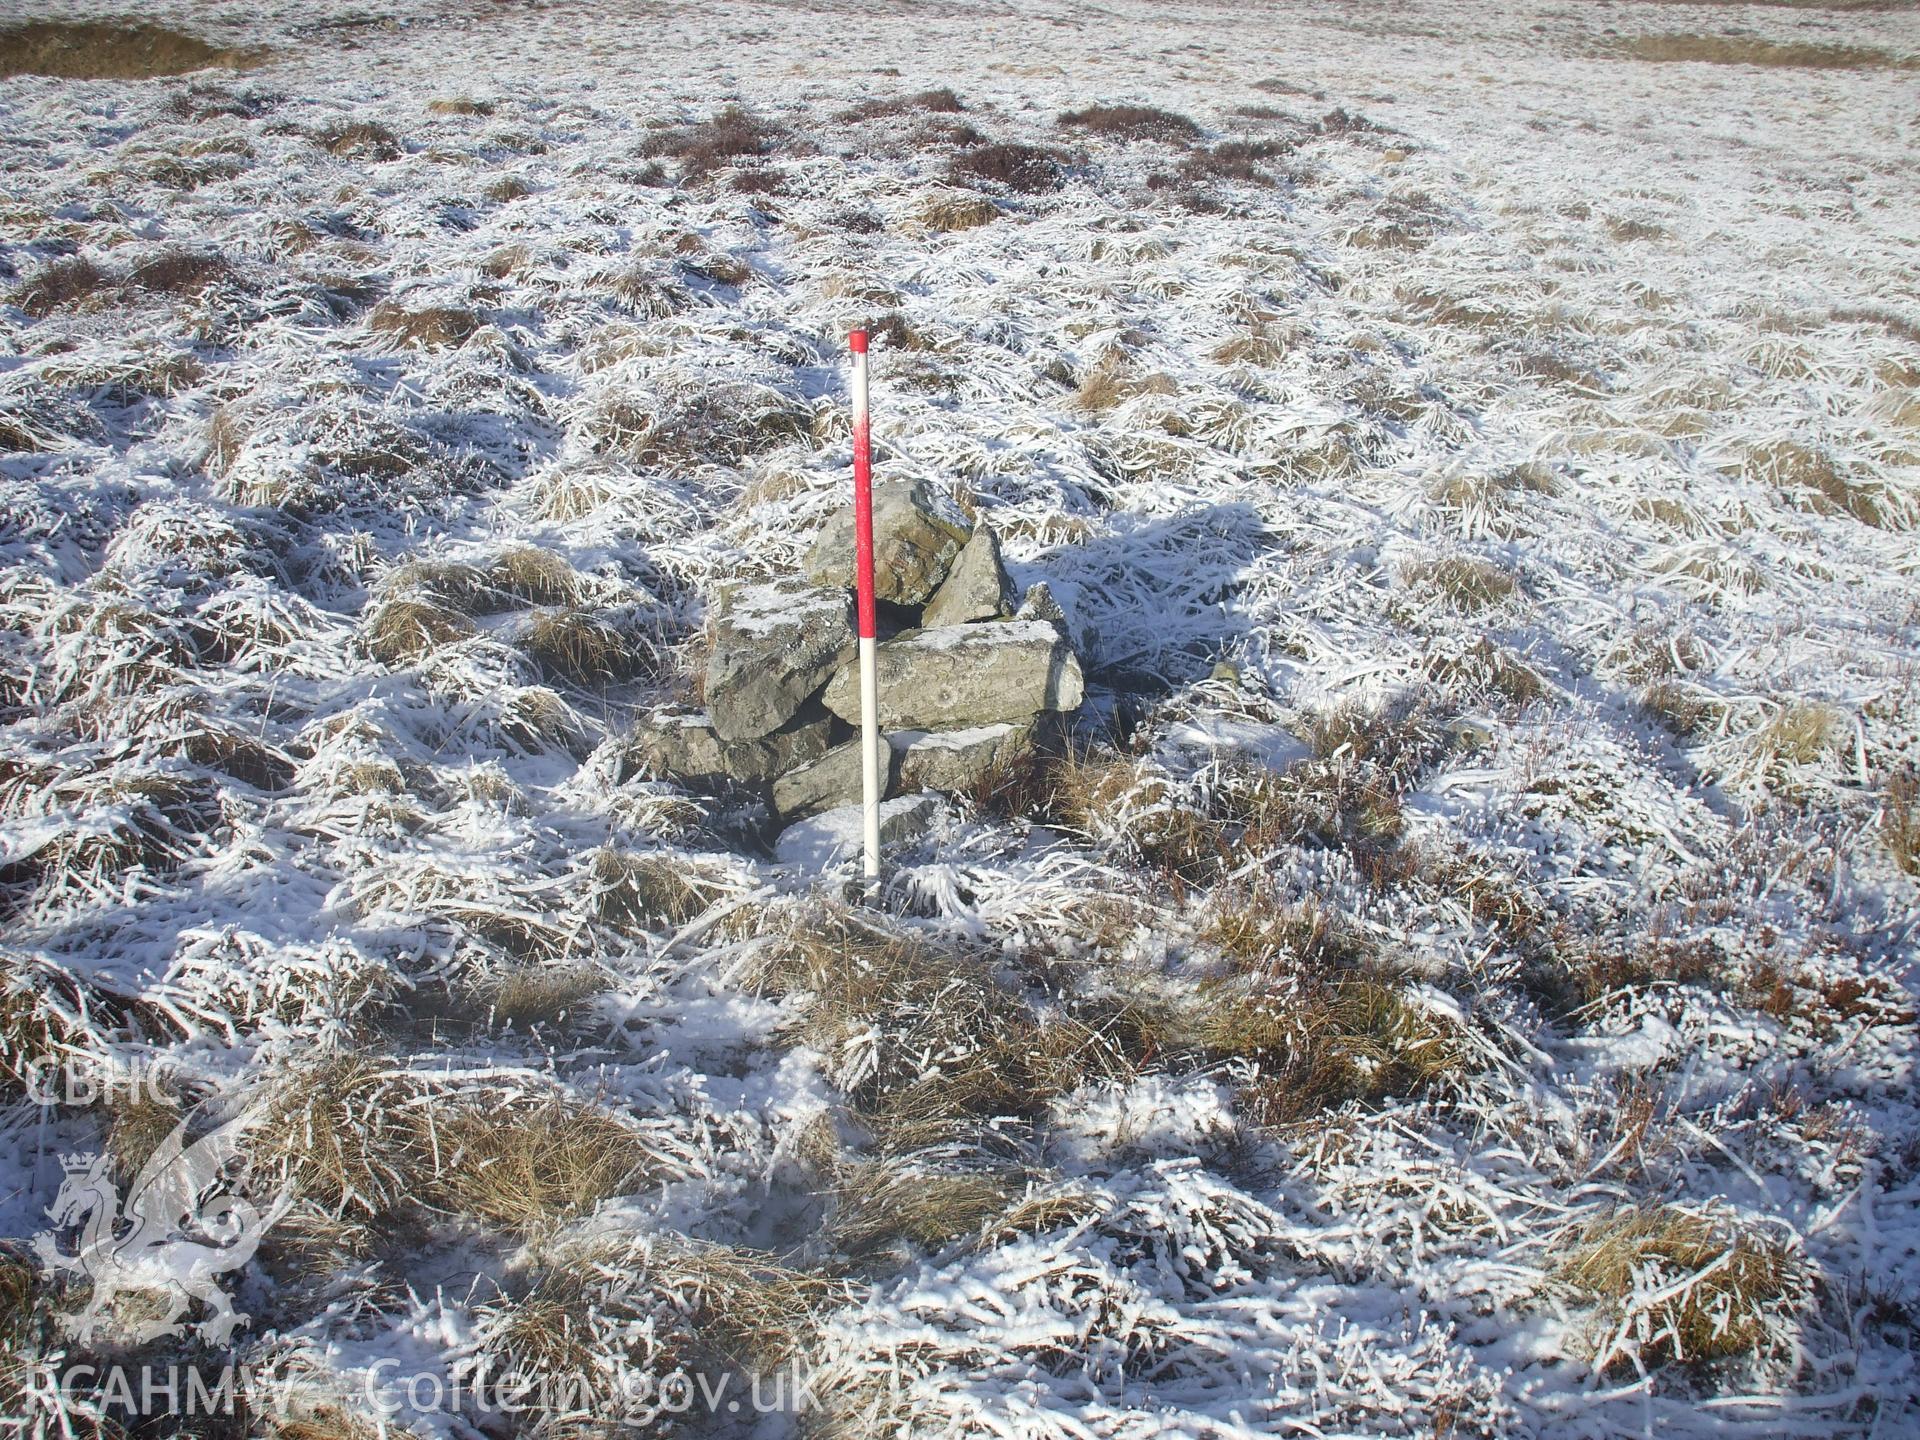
x: 684, y: 746
x: 976, y: 588
x: 957, y: 761
x: 774, y: 646
x: 917, y: 533
x: 832, y: 780
x: 965, y: 675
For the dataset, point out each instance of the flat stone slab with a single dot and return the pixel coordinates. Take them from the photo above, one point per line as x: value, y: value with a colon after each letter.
x: 962, y: 676
x: 832, y: 780
x: 956, y: 761
x: 977, y: 588
x: 917, y: 532
x: 826, y: 840
x: 774, y: 646
x: 683, y: 745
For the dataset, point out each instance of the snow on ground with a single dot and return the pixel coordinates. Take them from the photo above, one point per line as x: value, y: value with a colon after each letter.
x: 1515, y: 439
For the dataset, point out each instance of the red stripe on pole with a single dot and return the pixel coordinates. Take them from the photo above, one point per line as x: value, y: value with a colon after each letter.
x: 862, y: 491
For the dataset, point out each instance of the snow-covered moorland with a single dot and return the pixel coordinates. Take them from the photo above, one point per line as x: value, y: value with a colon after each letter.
x: 1459, y: 979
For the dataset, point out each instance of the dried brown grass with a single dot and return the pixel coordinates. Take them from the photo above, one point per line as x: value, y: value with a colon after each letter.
x: 1900, y: 819
x: 1751, y: 50
x: 950, y: 210
x: 578, y: 646
x: 528, y: 1167
x: 404, y: 630
x: 113, y: 50
x: 62, y: 285
x: 529, y: 997
x: 924, y: 102
x: 1679, y: 1286
x: 1131, y: 122
x: 1112, y: 382
x: 1023, y: 169
x: 1464, y: 582
x: 360, y: 140
x: 734, y: 134
x: 637, y: 892
x: 1316, y: 1045
x: 428, y: 327
x: 948, y: 1046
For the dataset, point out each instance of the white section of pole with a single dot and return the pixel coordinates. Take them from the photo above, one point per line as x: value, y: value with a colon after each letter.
x: 870, y: 752
x: 869, y: 665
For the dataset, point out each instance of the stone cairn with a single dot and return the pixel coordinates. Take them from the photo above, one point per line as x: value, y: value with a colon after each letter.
x: 964, y: 684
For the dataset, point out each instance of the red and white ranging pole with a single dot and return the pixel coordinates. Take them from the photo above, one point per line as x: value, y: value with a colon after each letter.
x: 864, y: 617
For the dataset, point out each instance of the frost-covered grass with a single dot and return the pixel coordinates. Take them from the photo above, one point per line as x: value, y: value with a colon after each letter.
x: 1456, y: 978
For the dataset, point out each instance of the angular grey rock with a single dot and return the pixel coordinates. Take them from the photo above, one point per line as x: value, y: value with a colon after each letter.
x: 958, y: 760
x: 774, y: 645
x: 1038, y: 604
x: 683, y: 745
x: 827, y: 839
x: 916, y: 534
x: 830, y: 781
x: 977, y: 588
x: 965, y: 675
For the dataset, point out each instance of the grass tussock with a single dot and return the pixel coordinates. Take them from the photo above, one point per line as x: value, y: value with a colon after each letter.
x: 45, y: 1017
x: 923, y: 102
x: 880, y: 1203
x: 180, y: 271
x: 345, y: 1132
x: 1461, y: 582
x: 1261, y: 936
x: 604, y: 1315
x: 1315, y: 1045
x: 1347, y: 796
x: 531, y: 1166
x: 1023, y: 169
x: 113, y: 50
x: 1486, y: 671
x: 1131, y: 122
x: 122, y: 826
x: 1770, y: 54
x: 139, y: 1123
x: 427, y: 327
x: 1231, y: 162
x: 533, y: 997
x: 534, y: 576
x: 1113, y: 382
x: 356, y: 1136
x: 1818, y: 482
x: 1798, y: 734
x: 1262, y: 346
x: 646, y: 892
x: 733, y: 135
x: 360, y: 140
x: 578, y: 646
x: 951, y: 210
x: 925, y: 1043
x: 1685, y: 711
x: 1675, y: 1285
x: 63, y: 285
x: 1900, y: 819
x: 405, y: 630
x: 726, y: 424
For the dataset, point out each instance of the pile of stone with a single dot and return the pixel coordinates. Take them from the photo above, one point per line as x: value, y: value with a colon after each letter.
x: 966, y: 677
